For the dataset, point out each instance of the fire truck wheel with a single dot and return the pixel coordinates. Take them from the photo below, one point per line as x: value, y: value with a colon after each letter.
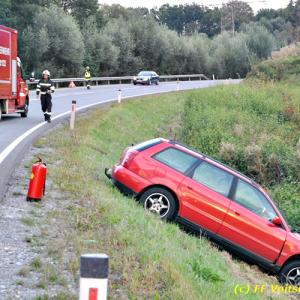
x: 25, y: 112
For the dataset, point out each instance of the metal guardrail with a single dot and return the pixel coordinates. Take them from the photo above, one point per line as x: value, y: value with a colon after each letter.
x: 118, y: 80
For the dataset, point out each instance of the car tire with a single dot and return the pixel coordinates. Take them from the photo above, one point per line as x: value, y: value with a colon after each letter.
x: 149, y: 82
x: 156, y: 82
x: 290, y: 273
x: 160, y: 201
x: 134, y: 83
x: 0, y: 112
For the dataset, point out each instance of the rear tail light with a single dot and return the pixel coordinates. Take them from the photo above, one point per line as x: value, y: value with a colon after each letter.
x: 127, y: 157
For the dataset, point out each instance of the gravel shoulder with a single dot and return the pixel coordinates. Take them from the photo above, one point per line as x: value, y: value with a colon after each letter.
x: 27, y: 230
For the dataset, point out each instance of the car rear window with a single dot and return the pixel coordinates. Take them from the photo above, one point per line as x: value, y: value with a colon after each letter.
x: 176, y: 159
x: 148, y: 144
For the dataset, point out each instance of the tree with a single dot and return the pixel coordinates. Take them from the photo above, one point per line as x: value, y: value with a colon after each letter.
x: 5, y: 12
x: 267, y: 13
x: 173, y: 17
x: 54, y: 42
x: 230, y: 56
x: 119, y: 32
x: 259, y: 40
x: 234, y: 14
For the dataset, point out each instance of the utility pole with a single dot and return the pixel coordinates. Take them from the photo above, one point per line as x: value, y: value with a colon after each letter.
x: 232, y: 19
x: 222, y: 28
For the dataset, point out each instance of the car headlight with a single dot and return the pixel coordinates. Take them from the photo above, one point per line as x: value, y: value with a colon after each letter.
x: 134, y: 77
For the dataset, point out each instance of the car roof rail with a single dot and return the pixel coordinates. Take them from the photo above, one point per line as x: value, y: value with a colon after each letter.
x: 174, y: 142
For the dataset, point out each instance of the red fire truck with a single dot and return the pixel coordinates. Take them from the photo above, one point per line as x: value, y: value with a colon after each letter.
x: 14, y: 94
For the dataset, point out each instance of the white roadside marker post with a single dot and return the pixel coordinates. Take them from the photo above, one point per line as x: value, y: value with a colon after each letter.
x: 177, y: 86
x: 119, y: 95
x: 93, y: 277
x: 213, y: 76
x: 73, y: 111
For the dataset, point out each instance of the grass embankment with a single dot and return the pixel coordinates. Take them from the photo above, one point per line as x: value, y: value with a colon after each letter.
x: 281, y: 68
x: 255, y: 129
x: 149, y: 259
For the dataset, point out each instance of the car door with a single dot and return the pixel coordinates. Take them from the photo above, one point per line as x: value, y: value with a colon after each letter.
x: 248, y: 223
x: 204, y: 196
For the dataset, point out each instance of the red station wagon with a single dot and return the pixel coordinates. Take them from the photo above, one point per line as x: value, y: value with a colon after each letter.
x: 178, y: 183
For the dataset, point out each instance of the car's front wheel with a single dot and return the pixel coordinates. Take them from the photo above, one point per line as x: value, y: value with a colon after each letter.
x: 159, y: 201
x: 290, y: 273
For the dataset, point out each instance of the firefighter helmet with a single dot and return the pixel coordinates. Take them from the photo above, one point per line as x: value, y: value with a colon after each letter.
x: 46, y: 72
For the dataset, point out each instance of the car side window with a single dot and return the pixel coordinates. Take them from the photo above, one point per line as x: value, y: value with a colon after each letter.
x: 176, y: 159
x: 252, y: 199
x: 213, y: 177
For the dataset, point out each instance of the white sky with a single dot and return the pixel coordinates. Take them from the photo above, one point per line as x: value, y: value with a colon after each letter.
x: 255, y: 4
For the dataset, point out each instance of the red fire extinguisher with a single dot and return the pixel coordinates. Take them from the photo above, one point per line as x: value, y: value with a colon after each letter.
x: 36, y: 188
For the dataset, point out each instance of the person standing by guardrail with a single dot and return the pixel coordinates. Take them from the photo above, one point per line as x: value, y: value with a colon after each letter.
x: 87, y: 77
x: 45, y: 87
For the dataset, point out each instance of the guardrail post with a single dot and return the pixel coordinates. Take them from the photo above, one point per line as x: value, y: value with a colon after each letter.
x: 73, y: 111
x: 177, y: 85
x: 93, y: 277
x: 213, y: 76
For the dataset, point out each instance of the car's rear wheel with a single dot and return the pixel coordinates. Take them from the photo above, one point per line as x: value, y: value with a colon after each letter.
x: 149, y: 82
x: 290, y: 273
x: 159, y: 201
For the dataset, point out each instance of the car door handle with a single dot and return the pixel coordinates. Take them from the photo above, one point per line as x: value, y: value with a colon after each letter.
x: 237, y: 213
x: 190, y: 188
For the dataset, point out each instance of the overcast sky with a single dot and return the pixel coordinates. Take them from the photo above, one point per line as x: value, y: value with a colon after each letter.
x: 255, y: 4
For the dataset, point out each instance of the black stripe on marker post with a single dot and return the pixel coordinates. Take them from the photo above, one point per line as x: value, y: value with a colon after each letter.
x: 94, y: 266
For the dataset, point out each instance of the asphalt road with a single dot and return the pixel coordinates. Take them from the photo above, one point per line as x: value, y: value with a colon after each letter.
x: 16, y: 133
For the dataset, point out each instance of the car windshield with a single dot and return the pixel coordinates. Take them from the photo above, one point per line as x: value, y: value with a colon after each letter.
x: 143, y: 73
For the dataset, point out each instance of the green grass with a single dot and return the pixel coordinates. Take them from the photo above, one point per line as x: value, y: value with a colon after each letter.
x: 149, y: 259
x: 286, y: 69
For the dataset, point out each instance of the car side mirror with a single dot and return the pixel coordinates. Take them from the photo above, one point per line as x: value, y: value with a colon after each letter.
x: 276, y: 221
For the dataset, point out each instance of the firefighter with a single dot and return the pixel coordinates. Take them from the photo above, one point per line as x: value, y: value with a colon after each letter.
x: 87, y: 77
x: 45, y: 87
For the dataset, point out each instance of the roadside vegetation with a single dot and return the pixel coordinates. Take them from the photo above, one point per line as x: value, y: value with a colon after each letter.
x: 64, y: 36
x: 283, y: 66
x: 149, y: 259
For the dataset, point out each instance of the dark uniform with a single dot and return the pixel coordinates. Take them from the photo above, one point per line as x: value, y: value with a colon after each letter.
x: 45, y: 87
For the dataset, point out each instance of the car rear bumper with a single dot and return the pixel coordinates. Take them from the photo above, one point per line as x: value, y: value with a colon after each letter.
x: 125, y: 180
x: 141, y: 81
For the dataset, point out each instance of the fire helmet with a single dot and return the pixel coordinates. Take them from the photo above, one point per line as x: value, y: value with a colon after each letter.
x: 46, y: 72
